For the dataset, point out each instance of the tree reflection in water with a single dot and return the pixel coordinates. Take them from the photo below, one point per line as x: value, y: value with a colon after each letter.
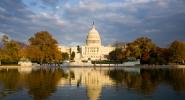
x: 41, y: 84
x: 148, y: 79
x: 9, y: 82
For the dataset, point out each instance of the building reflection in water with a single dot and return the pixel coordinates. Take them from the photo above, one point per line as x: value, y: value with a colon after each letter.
x: 43, y: 83
x: 143, y: 81
x: 92, y: 79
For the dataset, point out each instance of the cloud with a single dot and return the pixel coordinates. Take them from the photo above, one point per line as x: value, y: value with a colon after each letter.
x: 21, y: 23
x: 116, y: 20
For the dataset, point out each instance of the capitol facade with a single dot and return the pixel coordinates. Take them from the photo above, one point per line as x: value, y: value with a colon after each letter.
x: 92, y: 50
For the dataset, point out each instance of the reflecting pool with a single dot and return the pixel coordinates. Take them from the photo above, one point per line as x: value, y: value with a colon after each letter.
x: 93, y: 84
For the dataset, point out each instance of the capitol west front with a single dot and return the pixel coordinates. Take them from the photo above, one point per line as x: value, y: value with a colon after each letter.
x: 93, y: 49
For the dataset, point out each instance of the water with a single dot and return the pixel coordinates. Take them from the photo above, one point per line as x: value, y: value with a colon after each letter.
x: 92, y: 84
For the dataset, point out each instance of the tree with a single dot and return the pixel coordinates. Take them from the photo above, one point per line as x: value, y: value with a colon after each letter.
x: 10, y: 52
x: 133, y: 50
x: 43, y: 48
x: 141, y: 49
x: 177, y: 54
x: 117, y: 55
x: 159, y: 56
x: 65, y: 56
x: 72, y: 55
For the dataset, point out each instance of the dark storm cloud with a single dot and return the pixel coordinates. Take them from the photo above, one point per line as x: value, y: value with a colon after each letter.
x: 13, y: 17
x: 20, y: 23
x: 70, y: 20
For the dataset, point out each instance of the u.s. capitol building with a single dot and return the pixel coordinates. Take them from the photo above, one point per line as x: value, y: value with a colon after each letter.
x: 93, y: 50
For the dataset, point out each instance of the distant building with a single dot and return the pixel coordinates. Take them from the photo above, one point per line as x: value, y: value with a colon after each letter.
x: 93, y: 49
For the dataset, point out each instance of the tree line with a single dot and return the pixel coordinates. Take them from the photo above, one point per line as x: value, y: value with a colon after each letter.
x: 41, y: 48
x: 148, y: 52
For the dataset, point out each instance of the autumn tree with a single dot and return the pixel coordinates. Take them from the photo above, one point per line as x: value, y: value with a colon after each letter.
x: 133, y: 50
x: 141, y: 48
x: 65, y: 56
x: 159, y: 56
x: 177, y: 52
x: 43, y: 48
x: 10, y: 50
x: 117, y: 55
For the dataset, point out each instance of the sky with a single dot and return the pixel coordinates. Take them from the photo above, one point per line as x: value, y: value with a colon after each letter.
x: 116, y: 20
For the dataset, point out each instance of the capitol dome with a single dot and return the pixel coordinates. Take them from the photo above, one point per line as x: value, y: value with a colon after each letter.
x: 93, y: 37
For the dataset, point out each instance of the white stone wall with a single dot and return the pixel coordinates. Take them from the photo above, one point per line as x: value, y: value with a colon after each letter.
x: 93, y: 52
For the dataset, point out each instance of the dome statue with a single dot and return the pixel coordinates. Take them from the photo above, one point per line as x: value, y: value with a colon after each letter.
x: 93, y: 37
